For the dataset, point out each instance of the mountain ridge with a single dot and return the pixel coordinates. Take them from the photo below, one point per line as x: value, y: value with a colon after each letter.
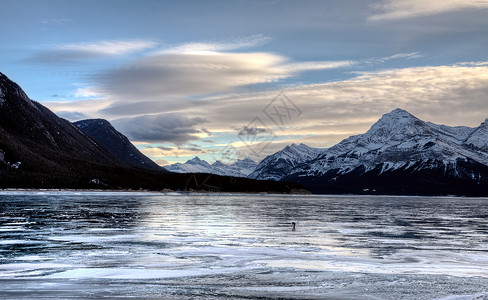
x: 116, y: 143
x: 399, y: 154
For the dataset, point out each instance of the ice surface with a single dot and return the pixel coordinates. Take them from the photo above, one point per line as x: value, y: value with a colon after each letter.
x: 93, y: 245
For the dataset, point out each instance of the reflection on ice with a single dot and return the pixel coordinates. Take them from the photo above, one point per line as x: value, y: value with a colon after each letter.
x: 242, y: 246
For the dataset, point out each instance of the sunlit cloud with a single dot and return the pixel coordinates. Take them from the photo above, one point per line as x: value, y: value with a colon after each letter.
x: 91, y: 108
x: 217, y: 46
x: 180, y: 152
x: 108, y: 47
x: 319, y: 65
x: 404, y: 9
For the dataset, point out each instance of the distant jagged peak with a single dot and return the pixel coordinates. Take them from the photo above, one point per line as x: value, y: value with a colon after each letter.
x: 297, y: 147
x: 218, y: 163
x: 197, y: 160
x: 244, y: 160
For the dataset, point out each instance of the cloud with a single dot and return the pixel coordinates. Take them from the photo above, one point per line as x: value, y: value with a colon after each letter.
x: 87, y: 92
x: 180, y: 151
x: 450, y: 94
x: 251, y: 131
x: 162, y: 162
x: 53, y: 24
x: 204, y: 130
x: 81, y: 51
x: 319, y: 65
x: 173, y: 128
x: 192, y: 149
x: 165, y: 148
x: 404, y: 9
x: 226, y: 45
x: 72, y: 116
x: 87, y: 107
x: 166, y: 75
x: 165, y: 80
x: 410, y: 55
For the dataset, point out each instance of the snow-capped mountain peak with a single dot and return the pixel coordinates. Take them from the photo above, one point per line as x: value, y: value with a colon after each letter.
x: 397, y: 125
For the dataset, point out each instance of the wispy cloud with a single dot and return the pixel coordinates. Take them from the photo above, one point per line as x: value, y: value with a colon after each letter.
x: 108, y: 47
x: 410, y: 55
x: 218, y: 46
x: 53, y: 24
x: 404, y: 9
x: 81, y: 51
x: 319, y: 65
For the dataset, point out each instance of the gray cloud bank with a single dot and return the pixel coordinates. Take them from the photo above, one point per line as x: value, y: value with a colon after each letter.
x: 161, y: 128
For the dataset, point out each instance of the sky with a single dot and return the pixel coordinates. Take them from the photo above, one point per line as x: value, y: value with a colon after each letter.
x: 225, y: 80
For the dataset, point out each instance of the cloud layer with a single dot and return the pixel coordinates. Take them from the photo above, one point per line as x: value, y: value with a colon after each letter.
x: 404, y: 9
x: 188, y: 92
x: 331, y: 111
x: 161, y: 128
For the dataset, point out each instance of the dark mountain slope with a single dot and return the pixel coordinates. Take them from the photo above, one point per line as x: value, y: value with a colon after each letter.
x: 118, y: 144
x: 38, y: 148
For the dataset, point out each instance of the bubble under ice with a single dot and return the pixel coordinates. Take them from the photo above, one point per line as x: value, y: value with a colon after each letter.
x: 93, y: 245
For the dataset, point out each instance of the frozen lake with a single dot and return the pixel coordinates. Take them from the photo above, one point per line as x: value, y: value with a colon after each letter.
x: 143, y: 245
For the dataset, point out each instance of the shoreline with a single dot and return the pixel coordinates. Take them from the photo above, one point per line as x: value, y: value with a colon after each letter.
x: 162, y: 192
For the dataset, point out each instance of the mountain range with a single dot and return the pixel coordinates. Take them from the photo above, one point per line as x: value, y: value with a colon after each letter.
x: 399, y: 154
x: 240, y: 168
x: 40, y: 150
